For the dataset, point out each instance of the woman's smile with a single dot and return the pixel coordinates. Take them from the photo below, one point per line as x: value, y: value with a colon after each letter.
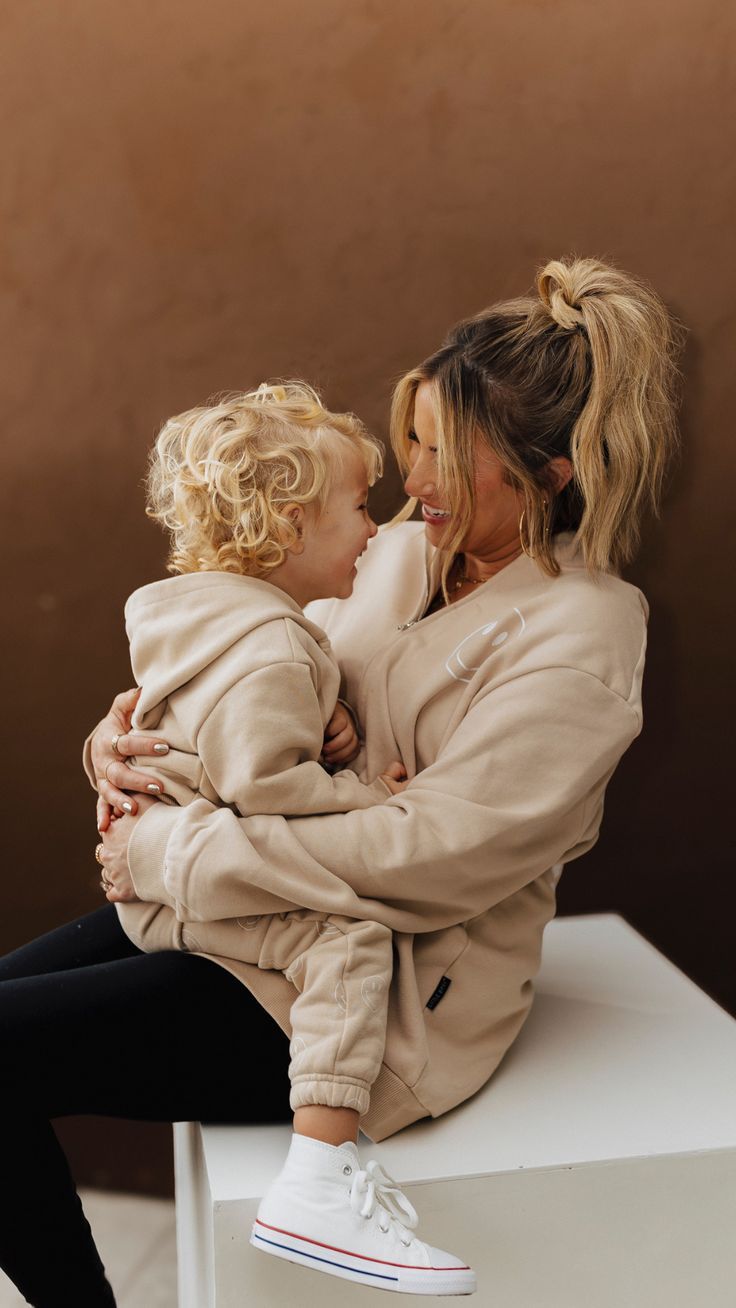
x: 435, y: 515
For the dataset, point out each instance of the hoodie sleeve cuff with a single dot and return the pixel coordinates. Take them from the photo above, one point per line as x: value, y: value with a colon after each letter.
x: 147, y: 853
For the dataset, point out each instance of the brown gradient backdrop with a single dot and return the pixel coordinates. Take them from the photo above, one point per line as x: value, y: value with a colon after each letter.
x: 198, y: 197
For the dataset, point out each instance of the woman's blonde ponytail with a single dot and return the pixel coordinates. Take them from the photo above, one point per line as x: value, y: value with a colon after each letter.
x: 625, y: 433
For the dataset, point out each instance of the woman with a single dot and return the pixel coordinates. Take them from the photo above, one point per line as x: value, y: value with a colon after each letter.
x: 496, y: 650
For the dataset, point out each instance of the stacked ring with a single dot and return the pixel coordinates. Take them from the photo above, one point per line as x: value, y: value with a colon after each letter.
x: 114, y: 743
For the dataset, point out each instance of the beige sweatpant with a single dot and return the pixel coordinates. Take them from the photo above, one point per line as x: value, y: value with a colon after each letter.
x: 342, y: 970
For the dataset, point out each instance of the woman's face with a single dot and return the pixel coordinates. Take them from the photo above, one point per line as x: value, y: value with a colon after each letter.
x: 496, y: 506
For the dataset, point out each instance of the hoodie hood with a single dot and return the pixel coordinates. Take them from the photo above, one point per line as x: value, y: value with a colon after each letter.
x: 179, y: 626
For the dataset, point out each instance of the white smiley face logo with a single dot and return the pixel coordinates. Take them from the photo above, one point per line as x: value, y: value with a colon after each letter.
x: 371, y: 991
x: 296, y: 1047
x: 467, y: 657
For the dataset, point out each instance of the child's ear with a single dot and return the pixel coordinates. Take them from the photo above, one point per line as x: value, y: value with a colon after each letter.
x: 294, y: 514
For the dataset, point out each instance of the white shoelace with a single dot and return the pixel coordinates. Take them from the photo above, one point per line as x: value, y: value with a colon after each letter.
x: 373, y: 1189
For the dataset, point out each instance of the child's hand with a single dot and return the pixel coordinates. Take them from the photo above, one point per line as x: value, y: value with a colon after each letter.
x: 341, y: 743
x: 394, y: 778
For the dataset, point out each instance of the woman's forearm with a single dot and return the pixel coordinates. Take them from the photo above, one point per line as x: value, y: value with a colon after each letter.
x: 148, y: 855
x: 518, y: 788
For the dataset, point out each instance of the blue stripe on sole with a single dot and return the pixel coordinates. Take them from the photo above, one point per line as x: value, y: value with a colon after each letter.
x: 357, y: 1271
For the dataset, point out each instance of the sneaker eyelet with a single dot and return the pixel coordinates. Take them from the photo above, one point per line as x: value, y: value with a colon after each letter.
x: 406, y: 1243
x: 347, y: 1170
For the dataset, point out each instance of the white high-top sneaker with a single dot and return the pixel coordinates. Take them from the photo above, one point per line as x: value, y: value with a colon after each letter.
x: 325, y: 1211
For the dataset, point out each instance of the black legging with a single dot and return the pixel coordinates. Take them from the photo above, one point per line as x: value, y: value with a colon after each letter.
x: 89, y: 1024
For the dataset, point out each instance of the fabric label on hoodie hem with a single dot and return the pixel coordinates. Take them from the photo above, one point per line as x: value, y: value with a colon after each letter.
x: 440, y: 990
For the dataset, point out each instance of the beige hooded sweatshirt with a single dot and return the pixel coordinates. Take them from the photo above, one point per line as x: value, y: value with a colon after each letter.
x: 510, y: 710
x: 241, y: 685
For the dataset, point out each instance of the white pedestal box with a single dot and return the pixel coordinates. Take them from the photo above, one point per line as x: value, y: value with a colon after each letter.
x: 597, y: 1169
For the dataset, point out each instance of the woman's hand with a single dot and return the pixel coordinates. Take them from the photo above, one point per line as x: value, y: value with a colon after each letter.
x: 341, y: 744
x: 114, y: 777
x: 113, y: 856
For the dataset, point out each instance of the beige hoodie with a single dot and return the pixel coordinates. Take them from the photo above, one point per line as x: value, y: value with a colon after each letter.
x: 242, y: 685
x: 510, y: 710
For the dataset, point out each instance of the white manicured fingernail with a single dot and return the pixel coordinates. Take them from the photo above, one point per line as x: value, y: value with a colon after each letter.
x: 160, y: 749
x: 154, y: 789
x: 128, y: 807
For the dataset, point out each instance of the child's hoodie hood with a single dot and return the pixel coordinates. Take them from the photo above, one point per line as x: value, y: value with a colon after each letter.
x: 179, y: 626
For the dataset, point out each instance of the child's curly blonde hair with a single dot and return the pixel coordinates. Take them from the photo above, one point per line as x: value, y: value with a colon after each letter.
x: 222, y: 476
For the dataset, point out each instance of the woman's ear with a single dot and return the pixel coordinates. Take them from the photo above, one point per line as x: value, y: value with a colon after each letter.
x: 294, y: 514
x: 559, y: 472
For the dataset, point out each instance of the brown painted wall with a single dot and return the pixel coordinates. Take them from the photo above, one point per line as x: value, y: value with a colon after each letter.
x: 197, y: 197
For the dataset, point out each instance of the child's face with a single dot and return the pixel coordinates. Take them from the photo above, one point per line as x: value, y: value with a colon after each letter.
x: 334, y: 541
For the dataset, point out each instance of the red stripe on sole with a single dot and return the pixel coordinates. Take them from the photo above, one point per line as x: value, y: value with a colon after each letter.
x: 335, y: 1248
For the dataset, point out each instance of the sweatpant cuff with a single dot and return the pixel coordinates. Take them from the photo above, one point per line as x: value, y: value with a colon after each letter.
x: 334, y: 1094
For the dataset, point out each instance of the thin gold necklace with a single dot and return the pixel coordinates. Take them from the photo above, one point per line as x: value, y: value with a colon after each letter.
x: 472, y: 581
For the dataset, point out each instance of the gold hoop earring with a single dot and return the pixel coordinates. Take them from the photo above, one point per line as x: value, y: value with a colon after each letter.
x: 524, y: 547
x: 545, y: 530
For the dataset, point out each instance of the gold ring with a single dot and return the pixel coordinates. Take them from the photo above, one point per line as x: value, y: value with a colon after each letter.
x: 98, y: 851
x: 105, y: 884
x: 107, y: 779
x: 114, y: 743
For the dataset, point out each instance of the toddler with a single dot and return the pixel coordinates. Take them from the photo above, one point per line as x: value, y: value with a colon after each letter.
x: 264, y: 495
